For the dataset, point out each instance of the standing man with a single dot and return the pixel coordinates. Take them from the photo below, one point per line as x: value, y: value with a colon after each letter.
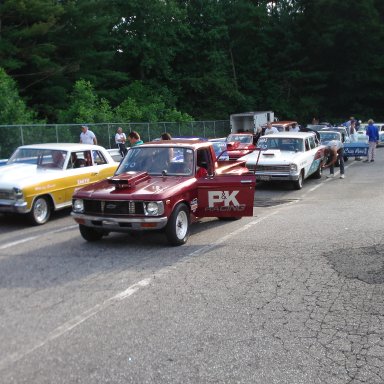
x: 334, y: 151
x: 120, y: 140
x: 270, y: 129
x: 134, y: 139
x: 87, y: 136
x: 373, y: 138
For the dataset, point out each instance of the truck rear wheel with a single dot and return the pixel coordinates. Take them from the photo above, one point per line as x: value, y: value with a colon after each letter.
x: 90, y: 234
x: 177, y: 229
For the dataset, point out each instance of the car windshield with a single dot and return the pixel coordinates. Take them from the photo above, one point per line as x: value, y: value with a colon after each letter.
x: 156, y: 160
x: 284, y: 144
x: 47, y: 158
x: 328, y: 136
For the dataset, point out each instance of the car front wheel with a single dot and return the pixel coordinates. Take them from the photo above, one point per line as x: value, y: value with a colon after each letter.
x: 298, y: 184
x: 318, y: 173
x: 177, y: 229
x: 41, y: 211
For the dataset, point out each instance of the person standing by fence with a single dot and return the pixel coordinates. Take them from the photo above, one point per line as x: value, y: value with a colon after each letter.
x: 87, y: 136
x: 120, y: 140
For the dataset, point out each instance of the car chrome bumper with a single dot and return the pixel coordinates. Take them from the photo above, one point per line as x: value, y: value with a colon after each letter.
x: 120, y: 224
x: 276, y: 177
x: 13, y: 206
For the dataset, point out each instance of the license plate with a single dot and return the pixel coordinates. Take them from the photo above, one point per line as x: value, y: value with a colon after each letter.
x: 264, y: 178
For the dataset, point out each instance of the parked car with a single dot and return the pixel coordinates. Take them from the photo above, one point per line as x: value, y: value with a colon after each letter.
x: 286, y: 156
x: 239, y: 144
x: 151, y: 190
x: 41, y: 178
x: 361, y: 135
x: 220, y: 148
x: 344, y: 132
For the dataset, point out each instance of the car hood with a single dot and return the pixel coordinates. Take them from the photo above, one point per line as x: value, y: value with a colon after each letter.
x: 135, y: 185
x: 22, y: 175
x: 272, y: 156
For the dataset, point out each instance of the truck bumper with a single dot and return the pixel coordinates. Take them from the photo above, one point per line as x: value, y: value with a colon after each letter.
x: 117, y: 224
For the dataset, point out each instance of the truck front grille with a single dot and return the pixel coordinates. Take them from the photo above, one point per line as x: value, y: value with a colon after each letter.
x: 97, y: 207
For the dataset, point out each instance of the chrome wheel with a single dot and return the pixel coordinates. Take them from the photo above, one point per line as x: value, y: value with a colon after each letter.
x: 41, y: 211
x: 177, y: 229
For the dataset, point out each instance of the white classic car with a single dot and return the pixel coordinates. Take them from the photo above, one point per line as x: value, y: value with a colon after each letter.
x: 286, y: 156
x: 40, y: 178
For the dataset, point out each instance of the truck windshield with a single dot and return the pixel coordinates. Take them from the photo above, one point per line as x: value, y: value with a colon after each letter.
x: 156, y: 160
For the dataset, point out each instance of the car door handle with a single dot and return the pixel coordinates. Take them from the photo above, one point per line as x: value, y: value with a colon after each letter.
x: 245, y: 181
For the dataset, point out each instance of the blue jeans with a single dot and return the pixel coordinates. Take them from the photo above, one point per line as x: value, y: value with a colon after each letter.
x: 340, y: 156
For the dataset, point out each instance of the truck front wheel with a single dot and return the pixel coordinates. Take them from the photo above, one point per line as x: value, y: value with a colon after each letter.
x: 90, y: 234
x: 177, y: 229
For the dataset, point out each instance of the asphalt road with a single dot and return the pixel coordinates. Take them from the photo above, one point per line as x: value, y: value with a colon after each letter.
x: 294, y: 294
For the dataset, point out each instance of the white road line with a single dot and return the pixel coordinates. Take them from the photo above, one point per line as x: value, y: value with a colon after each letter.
x: 77, y: 320
x: 13, y: 243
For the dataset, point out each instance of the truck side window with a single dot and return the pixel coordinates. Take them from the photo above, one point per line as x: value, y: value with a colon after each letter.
x: 204, y: 160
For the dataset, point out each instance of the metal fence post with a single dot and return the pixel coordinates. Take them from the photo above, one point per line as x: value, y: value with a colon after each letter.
x: 57, y: 133
x: 21, y: 135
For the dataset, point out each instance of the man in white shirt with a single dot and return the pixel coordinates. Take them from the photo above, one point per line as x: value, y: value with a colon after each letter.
x: 120, y: 140
x: 87, y: 136
x: 270, y: 129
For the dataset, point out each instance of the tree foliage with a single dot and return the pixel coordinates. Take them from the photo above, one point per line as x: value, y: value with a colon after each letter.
x: 149, y: 60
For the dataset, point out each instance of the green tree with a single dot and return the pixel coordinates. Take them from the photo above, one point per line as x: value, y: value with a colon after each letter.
x: 13, y: 109
x: 85, y: 106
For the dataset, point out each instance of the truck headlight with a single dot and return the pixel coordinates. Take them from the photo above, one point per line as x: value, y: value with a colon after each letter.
x: 293, y: 167
x: 78, y: 206
x: 154, y: 208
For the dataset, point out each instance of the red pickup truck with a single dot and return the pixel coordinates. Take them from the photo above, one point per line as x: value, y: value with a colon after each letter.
x: 165, y: 185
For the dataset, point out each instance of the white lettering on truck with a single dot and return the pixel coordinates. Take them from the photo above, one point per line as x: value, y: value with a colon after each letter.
x: 222, y: 197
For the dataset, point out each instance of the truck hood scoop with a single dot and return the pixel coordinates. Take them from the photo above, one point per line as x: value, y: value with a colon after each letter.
x: 128, y: 180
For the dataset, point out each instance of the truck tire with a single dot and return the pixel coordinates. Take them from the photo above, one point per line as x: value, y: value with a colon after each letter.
x: 298, y: 184
x: 41, y: 211
x: 90, y: 234
x: 177, y: 229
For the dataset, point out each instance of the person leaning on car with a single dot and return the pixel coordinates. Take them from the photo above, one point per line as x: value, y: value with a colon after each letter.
x: 334, y: 151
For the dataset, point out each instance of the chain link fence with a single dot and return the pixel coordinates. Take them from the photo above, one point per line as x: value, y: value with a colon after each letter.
x: 12, y: 136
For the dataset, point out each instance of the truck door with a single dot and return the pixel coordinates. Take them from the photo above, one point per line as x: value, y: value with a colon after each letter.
x: 226, y: 196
